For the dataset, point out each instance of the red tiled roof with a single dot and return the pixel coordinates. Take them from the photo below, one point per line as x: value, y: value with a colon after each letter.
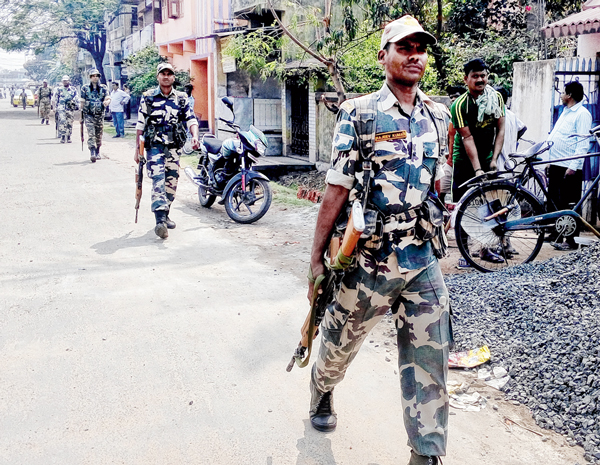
x: 585, y: 22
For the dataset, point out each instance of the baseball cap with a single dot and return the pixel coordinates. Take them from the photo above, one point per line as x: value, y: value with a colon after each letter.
x: 66, y: 78
x: 404, y: 27
x: 164, y: 66
x: 93, y: 71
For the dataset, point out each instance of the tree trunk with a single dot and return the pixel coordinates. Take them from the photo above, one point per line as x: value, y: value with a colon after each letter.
x: 96, y: 45
x: 337, y: 82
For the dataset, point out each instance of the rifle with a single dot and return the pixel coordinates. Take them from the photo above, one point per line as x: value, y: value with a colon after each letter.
x: 340, y: 258
x: 81, y: 129
x: 139, y: 176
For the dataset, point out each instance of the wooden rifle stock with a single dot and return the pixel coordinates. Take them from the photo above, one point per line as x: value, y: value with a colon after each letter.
x: 340, y: 258
x: 139, y: 176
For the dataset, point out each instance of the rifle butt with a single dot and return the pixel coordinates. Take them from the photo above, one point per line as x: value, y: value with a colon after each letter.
x: 356, y: 226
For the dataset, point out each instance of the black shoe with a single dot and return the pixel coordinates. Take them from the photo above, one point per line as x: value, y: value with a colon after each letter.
x: 115, y: 136
x: 68, y: 139
x: 416, y: 459
x: 47, y: 122
x: 43, y: 119
x: 161, y: 224
x: 170, y: 223
x: 62, y: 140
x: 322, y: 416
x: 93, y: 155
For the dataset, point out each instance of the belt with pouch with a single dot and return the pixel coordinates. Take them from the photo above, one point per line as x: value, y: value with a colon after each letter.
x: 395, y: 235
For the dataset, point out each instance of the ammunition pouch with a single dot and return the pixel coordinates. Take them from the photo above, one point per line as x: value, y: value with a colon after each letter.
x: 149, y: 135
x: 430, y: 226
x: 179, y: 135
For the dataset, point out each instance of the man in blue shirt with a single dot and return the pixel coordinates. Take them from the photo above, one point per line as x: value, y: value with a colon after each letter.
x: 565, y: 177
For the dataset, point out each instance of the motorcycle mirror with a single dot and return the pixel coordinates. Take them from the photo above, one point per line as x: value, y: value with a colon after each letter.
x: 228, y: 101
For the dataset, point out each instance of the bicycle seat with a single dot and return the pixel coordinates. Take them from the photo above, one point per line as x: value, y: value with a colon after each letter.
x: 533, y: 151
x: 212, y: 144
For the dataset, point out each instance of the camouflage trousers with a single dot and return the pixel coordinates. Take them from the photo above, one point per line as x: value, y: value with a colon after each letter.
x: 163, y: 168
x: 65, y: 122
x: 45, y: 108
x: 95, y: 128
x: 419, y: 304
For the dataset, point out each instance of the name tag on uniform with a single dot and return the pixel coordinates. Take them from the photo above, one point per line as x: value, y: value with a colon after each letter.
x: 385, y: 136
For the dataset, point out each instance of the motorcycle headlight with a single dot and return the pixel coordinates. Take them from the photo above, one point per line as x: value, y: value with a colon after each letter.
x: 260, y: 148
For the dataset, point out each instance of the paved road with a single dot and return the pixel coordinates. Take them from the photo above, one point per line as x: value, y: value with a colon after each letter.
x: 119, y: 348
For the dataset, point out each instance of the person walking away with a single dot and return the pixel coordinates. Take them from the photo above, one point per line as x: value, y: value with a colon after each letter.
x: 118, y: 98
x: 396, y: 270
x: 94, y: 100
x: 477, y: 135
x: 163, y: 117
x: 44, y: 101
x: 66, y: 103
x: 24, y: 98
x: 565, y: 178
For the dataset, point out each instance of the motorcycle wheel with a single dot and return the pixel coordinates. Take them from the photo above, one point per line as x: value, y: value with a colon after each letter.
x: 206, y: 199
x: 247, y: 207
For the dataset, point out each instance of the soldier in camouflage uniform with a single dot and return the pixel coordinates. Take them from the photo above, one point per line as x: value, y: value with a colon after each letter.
x: 163, y: 117
x: 66, y: 102
x: 94, y: 99
x: 395, y: 271
x: 44, y: 101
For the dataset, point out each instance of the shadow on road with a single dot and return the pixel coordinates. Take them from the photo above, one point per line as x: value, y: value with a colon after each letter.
x: 124, y: 242
x: 16, y: 114
x: 314, y: 447
x: 73, y: 163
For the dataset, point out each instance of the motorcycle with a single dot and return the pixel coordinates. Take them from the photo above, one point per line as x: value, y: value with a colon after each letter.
x: 225, y: 170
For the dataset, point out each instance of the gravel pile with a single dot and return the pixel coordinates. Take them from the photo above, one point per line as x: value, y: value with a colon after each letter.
x: 541, y: 322
x: 308, y: 179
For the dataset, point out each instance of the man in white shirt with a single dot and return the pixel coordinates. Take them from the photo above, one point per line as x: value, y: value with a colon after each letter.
x: 565, y: 177
x: 118, y: 99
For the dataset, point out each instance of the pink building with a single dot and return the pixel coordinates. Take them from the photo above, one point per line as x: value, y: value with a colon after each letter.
x: 185, y: 35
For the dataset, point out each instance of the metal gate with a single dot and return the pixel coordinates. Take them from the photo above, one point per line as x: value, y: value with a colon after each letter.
x: 299, y: 117
x: 587, y: 72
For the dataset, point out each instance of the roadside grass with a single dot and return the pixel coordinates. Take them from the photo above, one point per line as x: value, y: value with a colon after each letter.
x: 287, y: 196
x: 109, y: 130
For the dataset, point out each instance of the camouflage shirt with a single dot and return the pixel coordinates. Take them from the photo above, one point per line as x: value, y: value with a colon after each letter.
x: 65, y: 98
x: 407, y: 154
x: 44, y: 93
x: 164, y: 112
x: 93, y: 99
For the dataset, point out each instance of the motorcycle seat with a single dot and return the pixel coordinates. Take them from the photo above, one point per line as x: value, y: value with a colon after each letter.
x: 212, y: 145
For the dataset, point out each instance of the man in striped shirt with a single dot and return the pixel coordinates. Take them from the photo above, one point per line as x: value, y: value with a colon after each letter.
x: 477, y: 136
x: 565, y: 177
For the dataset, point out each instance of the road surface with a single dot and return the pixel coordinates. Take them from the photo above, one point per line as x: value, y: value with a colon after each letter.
x: 117, y: 347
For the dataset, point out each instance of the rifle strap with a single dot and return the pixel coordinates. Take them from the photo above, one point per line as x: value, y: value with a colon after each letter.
x: 365, y: 126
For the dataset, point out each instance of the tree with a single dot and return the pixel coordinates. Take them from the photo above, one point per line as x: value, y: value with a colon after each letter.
x: 141, y: 67
x: 37, y: 24
x: 340, y: 28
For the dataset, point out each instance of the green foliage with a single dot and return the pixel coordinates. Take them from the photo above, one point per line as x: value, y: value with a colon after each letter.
x: 141, y: 67
x: 498, y: 51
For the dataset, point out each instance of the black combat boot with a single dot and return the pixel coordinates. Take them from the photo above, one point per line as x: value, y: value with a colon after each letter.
x: 43, y: 119
x: 47, y: 122
x: 416, y: 459
x: 322, y: 416
x: 98, y: 157
x: 93, y: 155
x: 161, y: 224
x: 170, y: 223
x: 68, y: 139
x: 62, y: 139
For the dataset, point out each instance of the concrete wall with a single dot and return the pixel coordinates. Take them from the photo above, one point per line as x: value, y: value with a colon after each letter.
x: 180, y: 28
x: 588, y: 45
x: 533, y: 92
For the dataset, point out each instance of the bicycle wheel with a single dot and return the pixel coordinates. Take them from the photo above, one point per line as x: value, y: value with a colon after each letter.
x: 485, y: 244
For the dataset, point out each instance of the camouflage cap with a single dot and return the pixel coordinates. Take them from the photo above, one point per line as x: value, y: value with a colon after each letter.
x: 93, y: 71
x: 404, y: 27
x: 161, y: 67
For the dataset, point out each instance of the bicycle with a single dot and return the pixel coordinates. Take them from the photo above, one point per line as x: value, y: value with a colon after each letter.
x: 499, y: 213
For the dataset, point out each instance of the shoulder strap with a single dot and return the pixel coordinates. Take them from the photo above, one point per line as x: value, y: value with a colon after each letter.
x: 365, y: 126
